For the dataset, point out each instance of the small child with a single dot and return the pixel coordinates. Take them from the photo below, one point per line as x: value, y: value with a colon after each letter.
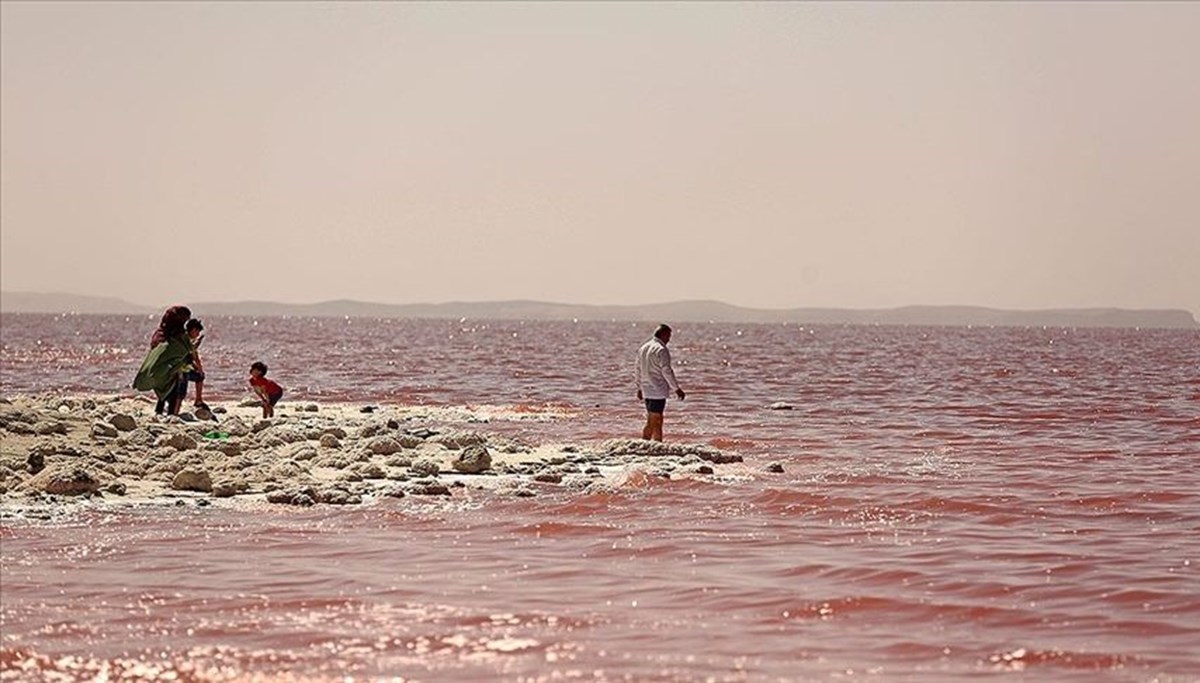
x: 268, y: 392
x: 195, y: 330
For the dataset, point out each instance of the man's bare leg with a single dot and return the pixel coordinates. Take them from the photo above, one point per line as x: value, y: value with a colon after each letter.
x: 653, y: 430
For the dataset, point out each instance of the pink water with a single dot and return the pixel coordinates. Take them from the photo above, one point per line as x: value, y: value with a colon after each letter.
x: 1009, y: 504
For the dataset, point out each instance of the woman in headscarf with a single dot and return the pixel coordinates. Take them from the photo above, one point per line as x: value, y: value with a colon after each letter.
x: 170, y: 349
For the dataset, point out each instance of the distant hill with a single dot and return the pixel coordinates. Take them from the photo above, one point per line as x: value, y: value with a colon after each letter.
x: 679, y: 311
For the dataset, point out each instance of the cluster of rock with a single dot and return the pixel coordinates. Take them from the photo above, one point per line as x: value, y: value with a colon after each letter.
x: 95, y: 446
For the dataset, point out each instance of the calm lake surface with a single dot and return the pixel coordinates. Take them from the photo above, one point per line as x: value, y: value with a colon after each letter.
x: 997, y: 504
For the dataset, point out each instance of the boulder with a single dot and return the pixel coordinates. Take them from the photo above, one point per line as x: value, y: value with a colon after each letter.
x: 123, y: 423
x: 548, y: 477
x: 104, y: 430
x: 179, y: 441
x: 226, y: 488
x: 473, y: 460
x: 64, y: 481
x: 47, y: 428
x: 330, y: 441
x: 425, y: 467
x: 192, y: 479
x: 384, y: 445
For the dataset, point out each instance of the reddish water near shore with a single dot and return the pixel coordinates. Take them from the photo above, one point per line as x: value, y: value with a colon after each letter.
x: 1009, y: 504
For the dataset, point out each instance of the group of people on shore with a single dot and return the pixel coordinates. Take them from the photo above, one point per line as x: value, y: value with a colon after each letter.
x: 174, y: 360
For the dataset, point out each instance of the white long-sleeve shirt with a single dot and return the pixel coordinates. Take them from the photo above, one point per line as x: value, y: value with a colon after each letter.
x: 654, y: 374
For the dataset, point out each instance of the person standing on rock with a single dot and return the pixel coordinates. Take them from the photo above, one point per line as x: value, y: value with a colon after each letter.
x: 168, y: 356
x: 655, y: 381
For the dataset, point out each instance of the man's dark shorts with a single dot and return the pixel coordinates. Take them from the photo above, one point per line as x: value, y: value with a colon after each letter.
x: 274, y: 398
x: 656, y: 405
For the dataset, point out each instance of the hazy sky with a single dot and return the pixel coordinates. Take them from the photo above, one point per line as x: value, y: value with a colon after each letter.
x: 1018, y: 155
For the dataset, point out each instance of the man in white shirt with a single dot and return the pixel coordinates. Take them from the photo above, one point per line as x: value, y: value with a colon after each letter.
x: 656, y: 380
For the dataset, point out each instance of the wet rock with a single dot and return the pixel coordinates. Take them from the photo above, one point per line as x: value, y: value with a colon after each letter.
x: 428, y: 488
x: 774, y: 468
x: 780, y: 405
x: 336, y: 496
x: 36, y: 462
x: 123, y: 422
x: 704, y: 469
x: 368, y: 409
x: 179, y: 441
x: 330, y: 441
x: 64, y: 481
x: 104, y: 430
x: 425, y: 467
x: 192, y: 479
x: 393, y: 424
x: 473, y: 460
x: 116, y: 488
x: 226, y: 488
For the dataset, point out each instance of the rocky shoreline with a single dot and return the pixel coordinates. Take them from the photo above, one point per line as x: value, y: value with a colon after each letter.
x: 56, y: 450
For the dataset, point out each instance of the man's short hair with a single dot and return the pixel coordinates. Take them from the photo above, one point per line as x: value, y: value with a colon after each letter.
x: 662, y: 330
x: 194, y: 324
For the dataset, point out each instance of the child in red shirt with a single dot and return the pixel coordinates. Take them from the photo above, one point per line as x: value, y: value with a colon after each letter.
x: 269, y: 392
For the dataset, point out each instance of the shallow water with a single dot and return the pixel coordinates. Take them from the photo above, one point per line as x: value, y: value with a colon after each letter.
x: 1018, y: 504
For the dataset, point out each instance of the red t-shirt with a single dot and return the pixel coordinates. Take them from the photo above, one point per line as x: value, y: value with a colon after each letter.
x: 271, y: 387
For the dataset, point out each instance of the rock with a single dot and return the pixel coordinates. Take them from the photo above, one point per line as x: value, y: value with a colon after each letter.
x: 311, y: 408
x: 179, y: 441
x: 774, y: 467
x: 548, y: 477
x: 368, y: 409
x: 301, y: 452
x: 262, y: 424
x: 336, y: 431
x: 398, y: 461
x: 473, y: 460
x: 250, y: 403
x: 704, y: 469
x: 104, y: 430
x: 235, y: 427
x: 425, y: 467
x: 220, y: 410
x: 64, y: 481
x: 203, y: 413
x: 294, y: 496
x: 186, y: 417
x: 428, y: 488
x: 123, y: 423
x: 226, y: 488
x: 192, y: 479
x: 421, y: 432
x: 384, y: 445
x: 47, y: 428
x: 395, y: 492
x: 460, y: 439
x: 117, y: 488
x: 330, y: 441
x: 780, y: 405
x: 371, y: 471
x: 36, y: 462
x: 336, y: 496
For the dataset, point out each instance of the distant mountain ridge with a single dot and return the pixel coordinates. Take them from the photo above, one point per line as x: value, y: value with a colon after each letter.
x: 678, y: 311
